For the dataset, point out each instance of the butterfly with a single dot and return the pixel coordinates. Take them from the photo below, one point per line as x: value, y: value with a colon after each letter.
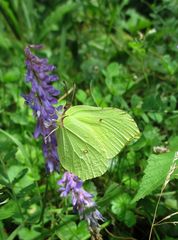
x: 88, y: 137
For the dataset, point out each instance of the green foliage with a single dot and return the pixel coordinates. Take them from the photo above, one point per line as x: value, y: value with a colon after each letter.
x: 71, y: 231
x: 119, y: 54
x: 122, y: 208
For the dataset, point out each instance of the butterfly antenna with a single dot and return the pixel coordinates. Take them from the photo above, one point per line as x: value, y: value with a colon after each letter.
x: 91, y: 91
x: 66, y: 94
x: 50, y: 133
x: 73, y: 92
x: 65, y: 88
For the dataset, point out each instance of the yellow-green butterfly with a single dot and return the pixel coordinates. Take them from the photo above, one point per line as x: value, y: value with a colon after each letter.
x: 90, y: 136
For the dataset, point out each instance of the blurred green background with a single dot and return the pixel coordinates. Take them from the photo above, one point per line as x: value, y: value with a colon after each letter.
x: 117, y: 53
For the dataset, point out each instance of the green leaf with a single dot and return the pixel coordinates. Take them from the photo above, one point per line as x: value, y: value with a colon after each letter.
x: 12, y: 75
x: 113, y: 70
x: 3, y: 234
x: 67, y: 231
x: 15, y: 140
x: 15, y: 232
x: 20, y: 175
x: 9, y: 16
x: 82, y: 230
x: 7, y: 210
x: 70, y: 231
x: 111, y: 192
x: 117, y: 79
x: 156, y: 171
x: 121, y: 207
x: 81, y: 96
x: 27, y: 234
x: 56, y: 16
x: 129, y: 218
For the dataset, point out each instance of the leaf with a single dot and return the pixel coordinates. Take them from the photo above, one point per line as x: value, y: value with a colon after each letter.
x: 81, y: 96
x: 82, y: 230
x: 90, y: 136
x: 117, y: 79
x: 56, y: 16
x: 113, y: 70
x: 121, y: 207
x: 3, y: 234
x: 67, y: 231
x: 112, y: 192
x: 27, y: 234
x: 129, y: 218
x: 11, y: 18
x: 15, y: 140
x: 70, y: 231
x: 26, y: 190
x: 15, y: 232
x: 20, y: 175
x: 7, y: 210
x: 156, y: 171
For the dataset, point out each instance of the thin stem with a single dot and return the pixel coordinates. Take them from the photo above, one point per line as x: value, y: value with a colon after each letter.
x: 171, y: 170
x: 44, y: 202
x: 118, y: 237
x: 67, y: 93
x: 154, y: 217
x: 167, y: 217
x: 174, y: 223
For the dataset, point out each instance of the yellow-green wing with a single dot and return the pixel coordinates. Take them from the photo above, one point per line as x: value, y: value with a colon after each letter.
x: 79, y: 155
x: 90, y: 136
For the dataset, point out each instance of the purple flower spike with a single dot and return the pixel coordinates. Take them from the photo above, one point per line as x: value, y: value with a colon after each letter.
x: 82, y: 201
x: 41, y: 99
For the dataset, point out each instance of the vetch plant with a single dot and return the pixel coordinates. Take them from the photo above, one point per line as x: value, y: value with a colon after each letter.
x: 41, y: 99
x: 82, y: 201
x: 88, y: 137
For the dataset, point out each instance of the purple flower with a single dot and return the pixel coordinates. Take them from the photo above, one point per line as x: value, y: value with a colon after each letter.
x: 82, y: 201
x: 41, y: 99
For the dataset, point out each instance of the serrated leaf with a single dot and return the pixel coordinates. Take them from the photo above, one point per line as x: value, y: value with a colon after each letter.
x: 156, y: 171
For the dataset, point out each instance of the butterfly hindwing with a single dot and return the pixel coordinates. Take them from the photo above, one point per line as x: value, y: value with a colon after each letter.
x: 79, y: 155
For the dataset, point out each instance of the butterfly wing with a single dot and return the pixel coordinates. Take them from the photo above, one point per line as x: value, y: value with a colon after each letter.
x: 90, y: 136
x: 80, y: 155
